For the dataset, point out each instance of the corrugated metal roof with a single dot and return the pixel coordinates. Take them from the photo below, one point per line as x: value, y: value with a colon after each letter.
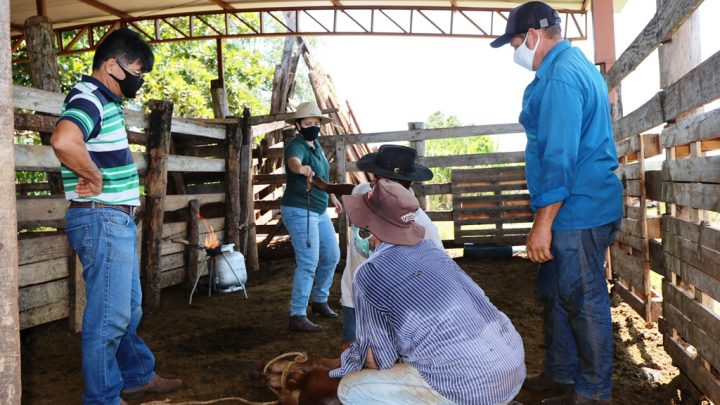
x: 65, y: 13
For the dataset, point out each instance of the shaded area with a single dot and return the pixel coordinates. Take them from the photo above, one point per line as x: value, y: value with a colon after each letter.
x: 219, y: 345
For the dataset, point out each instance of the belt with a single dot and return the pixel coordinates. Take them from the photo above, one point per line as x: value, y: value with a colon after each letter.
x: 128, y: 209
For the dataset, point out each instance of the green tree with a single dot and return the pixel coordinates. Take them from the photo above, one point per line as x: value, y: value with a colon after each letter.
x: 182, y: 74
x: 451, y: 147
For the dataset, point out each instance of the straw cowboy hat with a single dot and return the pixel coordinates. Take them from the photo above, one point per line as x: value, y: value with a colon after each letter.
x: 388, y: 211
x: 395, y: 162
x: 307, y: 109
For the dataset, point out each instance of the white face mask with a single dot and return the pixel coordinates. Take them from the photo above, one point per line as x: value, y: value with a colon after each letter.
x: 524, y: 56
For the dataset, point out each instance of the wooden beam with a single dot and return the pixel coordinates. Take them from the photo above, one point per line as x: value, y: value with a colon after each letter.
x: 110, y: 10
x: 426, y: 134
x: 155, y: 189
x: 698, y: 169
x: 223, y: 5
x: 660, y: 28
x: 77, y: 297
x: 10, y: 384
x: 247, y: 214
x: 193, y: 236
x: 232, y: 186
x: 39, y: 39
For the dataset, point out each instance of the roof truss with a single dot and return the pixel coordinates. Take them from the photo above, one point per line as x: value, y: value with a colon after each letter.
x: 307, y: 21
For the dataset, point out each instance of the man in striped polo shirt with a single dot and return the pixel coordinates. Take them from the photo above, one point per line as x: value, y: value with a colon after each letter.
x: 426, y: 333
x: 101, y: 181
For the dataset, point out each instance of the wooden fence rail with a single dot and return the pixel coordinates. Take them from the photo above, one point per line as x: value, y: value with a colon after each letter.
x: 683, y: 244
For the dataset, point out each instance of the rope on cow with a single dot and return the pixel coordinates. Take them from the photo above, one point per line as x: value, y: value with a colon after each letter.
x: 299, y: 357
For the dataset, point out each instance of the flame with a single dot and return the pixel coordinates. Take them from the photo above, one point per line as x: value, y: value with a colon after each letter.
x: 211, y: 241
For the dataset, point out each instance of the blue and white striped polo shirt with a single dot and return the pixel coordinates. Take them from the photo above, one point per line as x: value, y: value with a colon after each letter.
x: 98, y: 113
x: 414, y: 303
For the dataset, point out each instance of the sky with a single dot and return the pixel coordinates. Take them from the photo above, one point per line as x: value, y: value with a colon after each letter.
x: 390, y: 81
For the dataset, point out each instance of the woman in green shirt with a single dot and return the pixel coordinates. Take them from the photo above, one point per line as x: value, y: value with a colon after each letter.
x: 304, y: 214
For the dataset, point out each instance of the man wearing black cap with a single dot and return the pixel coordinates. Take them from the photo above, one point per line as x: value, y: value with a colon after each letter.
x: 396, y: 163
x: 577, y: 199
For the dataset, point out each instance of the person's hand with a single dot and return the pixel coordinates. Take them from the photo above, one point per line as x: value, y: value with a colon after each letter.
x: 538, y: 243
x: 89, y: 187
x: 336, y: 203
x: 306, y: 171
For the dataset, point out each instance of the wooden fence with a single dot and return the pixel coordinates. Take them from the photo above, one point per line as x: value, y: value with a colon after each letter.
x: 210, y: 169
x: 188, y: 169
x: 681, y: 246
x: 483, y: 198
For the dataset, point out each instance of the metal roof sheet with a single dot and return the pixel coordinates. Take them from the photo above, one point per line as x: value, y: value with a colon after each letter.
x: 77, y: 12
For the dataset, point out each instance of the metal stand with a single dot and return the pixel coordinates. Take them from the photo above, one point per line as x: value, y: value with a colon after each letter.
x: 211, y: 277
x: 199, y: 274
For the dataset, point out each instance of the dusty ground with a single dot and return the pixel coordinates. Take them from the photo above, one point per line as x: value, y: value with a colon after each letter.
x: 219, y: 345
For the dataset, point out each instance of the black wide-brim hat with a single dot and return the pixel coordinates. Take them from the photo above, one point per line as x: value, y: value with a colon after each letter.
x: 395, y: 162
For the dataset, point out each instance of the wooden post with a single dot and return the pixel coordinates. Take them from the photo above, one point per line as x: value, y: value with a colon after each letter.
x: 220, y: 106
x: 44, y: 72
x: 677, y: 57
x: 419, y: 146
x: 10, y: 387
x: 340, y: 161
x: 232, y: 186
x: 247, y: 204
x: 158, y: 149
x: 77, y: 293
x: 193, y: 236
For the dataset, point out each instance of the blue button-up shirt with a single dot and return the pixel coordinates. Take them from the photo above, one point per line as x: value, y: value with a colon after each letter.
x: 414, y: 303
x: 570, y: 153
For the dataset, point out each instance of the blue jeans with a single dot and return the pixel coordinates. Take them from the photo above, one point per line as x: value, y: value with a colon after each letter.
x: 315, y: 264
x: 113, y: 356
x: 576, y: 310
x: 348, y: 324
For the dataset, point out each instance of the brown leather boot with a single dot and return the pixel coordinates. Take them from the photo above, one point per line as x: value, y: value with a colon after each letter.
x: 301, y: 323
x: 157, y: 385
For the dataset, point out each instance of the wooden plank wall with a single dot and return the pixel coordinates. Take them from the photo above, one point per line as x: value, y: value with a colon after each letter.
x: 683, y: 245
x: 50, y: 288
x: 631, y: 252
x: 491, y: 205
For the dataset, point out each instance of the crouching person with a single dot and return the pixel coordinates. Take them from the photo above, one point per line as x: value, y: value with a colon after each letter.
x: 426, y: 333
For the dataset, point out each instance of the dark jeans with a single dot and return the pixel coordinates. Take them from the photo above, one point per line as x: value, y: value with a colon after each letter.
x: 576, y: 310
x: 348, y: 324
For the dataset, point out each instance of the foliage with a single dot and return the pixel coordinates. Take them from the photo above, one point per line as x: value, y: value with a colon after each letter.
x: 451, y: 147
x: 182, y: 74
x: 183, y: 71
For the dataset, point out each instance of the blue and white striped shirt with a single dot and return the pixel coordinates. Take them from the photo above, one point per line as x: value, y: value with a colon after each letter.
x: 415, y: 304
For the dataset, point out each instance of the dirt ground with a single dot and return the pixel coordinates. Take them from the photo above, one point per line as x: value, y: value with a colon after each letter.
x: 219, y: 345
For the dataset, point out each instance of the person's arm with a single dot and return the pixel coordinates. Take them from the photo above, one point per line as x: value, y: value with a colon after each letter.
x: 68, y: 143
x: 296, y: 166
x: 336, y: 203
x: 540, y: 237
x: 561, y: 111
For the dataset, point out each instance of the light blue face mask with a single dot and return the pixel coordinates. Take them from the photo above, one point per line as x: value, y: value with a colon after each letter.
x: 361, y: 238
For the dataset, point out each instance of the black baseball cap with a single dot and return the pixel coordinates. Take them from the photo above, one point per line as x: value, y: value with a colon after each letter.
x: 534, y: 14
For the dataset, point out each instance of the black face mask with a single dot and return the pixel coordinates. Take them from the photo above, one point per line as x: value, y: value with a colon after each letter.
x: 310, y: 133
x: 130, y: 85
